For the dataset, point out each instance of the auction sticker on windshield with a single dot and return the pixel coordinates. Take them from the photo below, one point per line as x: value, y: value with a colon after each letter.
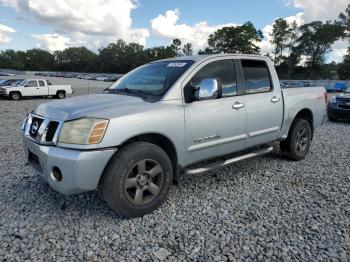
x: 176, y: 64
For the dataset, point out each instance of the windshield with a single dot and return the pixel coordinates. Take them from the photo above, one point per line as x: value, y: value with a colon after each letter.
x: 152, y: 79
x: 16, y: 82
x: 12, y: 82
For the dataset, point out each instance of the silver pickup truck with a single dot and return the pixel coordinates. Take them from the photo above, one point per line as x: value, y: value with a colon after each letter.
x: 183, y: 115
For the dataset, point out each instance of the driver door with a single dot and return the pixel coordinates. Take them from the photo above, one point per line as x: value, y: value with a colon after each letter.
x: 217, y: 126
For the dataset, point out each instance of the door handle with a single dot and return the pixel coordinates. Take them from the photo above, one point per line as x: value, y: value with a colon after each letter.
x: 237, y: 105
x: 37, y: 88
x: 275, y: 99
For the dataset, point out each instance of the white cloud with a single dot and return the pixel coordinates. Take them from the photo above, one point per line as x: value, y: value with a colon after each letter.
x: 319, y: 9
x: 5, y: 34
x: 340, y: 49
x: 166, y: 26
x: 82, y: 20
x: 52, y: 42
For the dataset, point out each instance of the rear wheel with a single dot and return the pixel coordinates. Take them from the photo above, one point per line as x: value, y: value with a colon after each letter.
x: 15, y: 95
x: 137, y: 179
x: 61, y: 95
x: 297, y: 145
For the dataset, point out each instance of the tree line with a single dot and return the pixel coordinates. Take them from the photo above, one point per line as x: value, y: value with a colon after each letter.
x: 299, y: 52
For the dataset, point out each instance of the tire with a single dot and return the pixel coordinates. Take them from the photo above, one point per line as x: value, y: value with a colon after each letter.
x: 130, y: 191
x: 61, y: 95
x: 297, y: 145
x: 332, y: 119
x: 15, y: 96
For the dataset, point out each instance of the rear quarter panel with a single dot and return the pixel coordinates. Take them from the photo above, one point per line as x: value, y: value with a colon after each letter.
x: 297, y: 99
x: 52, y: 89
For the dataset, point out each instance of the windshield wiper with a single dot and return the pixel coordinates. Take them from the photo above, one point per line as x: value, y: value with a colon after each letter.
x: 134, y: 91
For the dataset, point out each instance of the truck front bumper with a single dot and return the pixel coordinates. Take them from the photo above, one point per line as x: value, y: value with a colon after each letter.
x: 79, y: 170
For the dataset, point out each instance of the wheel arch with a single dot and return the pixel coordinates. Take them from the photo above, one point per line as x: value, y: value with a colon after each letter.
x: 15, y: 91
x: 163, y: 142
x: 61, y: 90
x: 306, y: 114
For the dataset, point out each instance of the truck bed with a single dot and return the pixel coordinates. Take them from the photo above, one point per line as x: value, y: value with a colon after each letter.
x: 295, y: 99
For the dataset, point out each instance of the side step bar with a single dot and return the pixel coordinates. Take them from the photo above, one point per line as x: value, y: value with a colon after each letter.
x: 212, y: 166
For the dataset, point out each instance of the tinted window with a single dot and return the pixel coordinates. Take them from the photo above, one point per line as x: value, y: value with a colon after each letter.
x: 223, y: 70
x: 32, y: 83
x: 41, y: 83
x: 257, y: 77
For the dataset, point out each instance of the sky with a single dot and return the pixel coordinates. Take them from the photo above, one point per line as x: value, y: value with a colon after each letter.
x: 58, y: 24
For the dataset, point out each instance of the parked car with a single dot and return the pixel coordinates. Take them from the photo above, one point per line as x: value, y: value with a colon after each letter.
x: 164, y: 119
x: 337, y: 87
x: 295, y: 84
x: 339, y: 106
x: 111, y: 78
x: 35, y: 87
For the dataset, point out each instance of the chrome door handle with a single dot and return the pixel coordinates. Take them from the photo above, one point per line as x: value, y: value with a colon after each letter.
x: 275, y: 99
x: 237, y: 105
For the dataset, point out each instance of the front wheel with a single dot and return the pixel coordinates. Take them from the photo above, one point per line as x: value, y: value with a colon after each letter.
x: 137, y: 179
x: 297, y: 145
x: 15, y: 95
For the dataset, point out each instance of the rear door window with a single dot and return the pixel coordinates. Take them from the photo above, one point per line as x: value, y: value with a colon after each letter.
x: 41, y: 83
x: 257, y: 76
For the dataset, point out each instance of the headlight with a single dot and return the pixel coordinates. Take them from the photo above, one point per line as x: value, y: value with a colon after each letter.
x: 24, y: 123
x: 333, y: 100
x: 84, y: 131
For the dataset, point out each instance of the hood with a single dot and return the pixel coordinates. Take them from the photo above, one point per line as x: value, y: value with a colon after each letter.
x: 344, y: 95
x: 97, y: 105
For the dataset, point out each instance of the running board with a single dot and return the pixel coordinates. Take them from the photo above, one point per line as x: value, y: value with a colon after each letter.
x: 212, y: 166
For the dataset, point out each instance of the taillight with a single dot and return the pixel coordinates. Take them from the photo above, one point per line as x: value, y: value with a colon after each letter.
x: 325, y: 97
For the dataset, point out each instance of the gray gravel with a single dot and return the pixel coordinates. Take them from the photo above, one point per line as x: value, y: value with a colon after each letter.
x: 262, y: 209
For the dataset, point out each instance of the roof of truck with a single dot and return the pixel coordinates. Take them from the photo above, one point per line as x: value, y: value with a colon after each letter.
x: 198, y: 58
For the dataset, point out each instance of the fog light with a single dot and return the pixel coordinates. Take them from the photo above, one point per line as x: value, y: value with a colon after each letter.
x: 56, y: 174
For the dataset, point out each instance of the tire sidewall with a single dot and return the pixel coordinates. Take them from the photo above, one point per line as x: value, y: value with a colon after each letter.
x: 300, y: 124
x: 118, y: 172
x: 61, y: 95
x: 15, y: 96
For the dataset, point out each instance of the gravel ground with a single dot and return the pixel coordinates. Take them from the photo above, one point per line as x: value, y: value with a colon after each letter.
x: 262, y: 209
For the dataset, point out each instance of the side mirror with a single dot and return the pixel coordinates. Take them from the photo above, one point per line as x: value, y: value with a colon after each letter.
x: 210, y: 88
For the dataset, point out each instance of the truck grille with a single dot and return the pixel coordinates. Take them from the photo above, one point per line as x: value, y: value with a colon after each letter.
x: 51, y: 130
x: 343, y: 103
x: 35, y: 126
x: 42, y: 130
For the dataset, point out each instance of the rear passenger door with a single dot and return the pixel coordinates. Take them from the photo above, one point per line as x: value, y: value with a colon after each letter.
x: 264, y: 103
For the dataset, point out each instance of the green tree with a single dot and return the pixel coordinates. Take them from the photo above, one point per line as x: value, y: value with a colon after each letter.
x: 160, y: 52
x: 316, y: 41
x: 38, y: 59
x: 284, y: 36
x: 187, y: 49
x: 344, y: 67
x: 236, y: 39
x: 176, y: 47
x: 76, y: 59
x: 345, y: 20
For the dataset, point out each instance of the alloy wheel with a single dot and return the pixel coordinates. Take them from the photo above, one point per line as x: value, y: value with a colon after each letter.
x: 144, y: 181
